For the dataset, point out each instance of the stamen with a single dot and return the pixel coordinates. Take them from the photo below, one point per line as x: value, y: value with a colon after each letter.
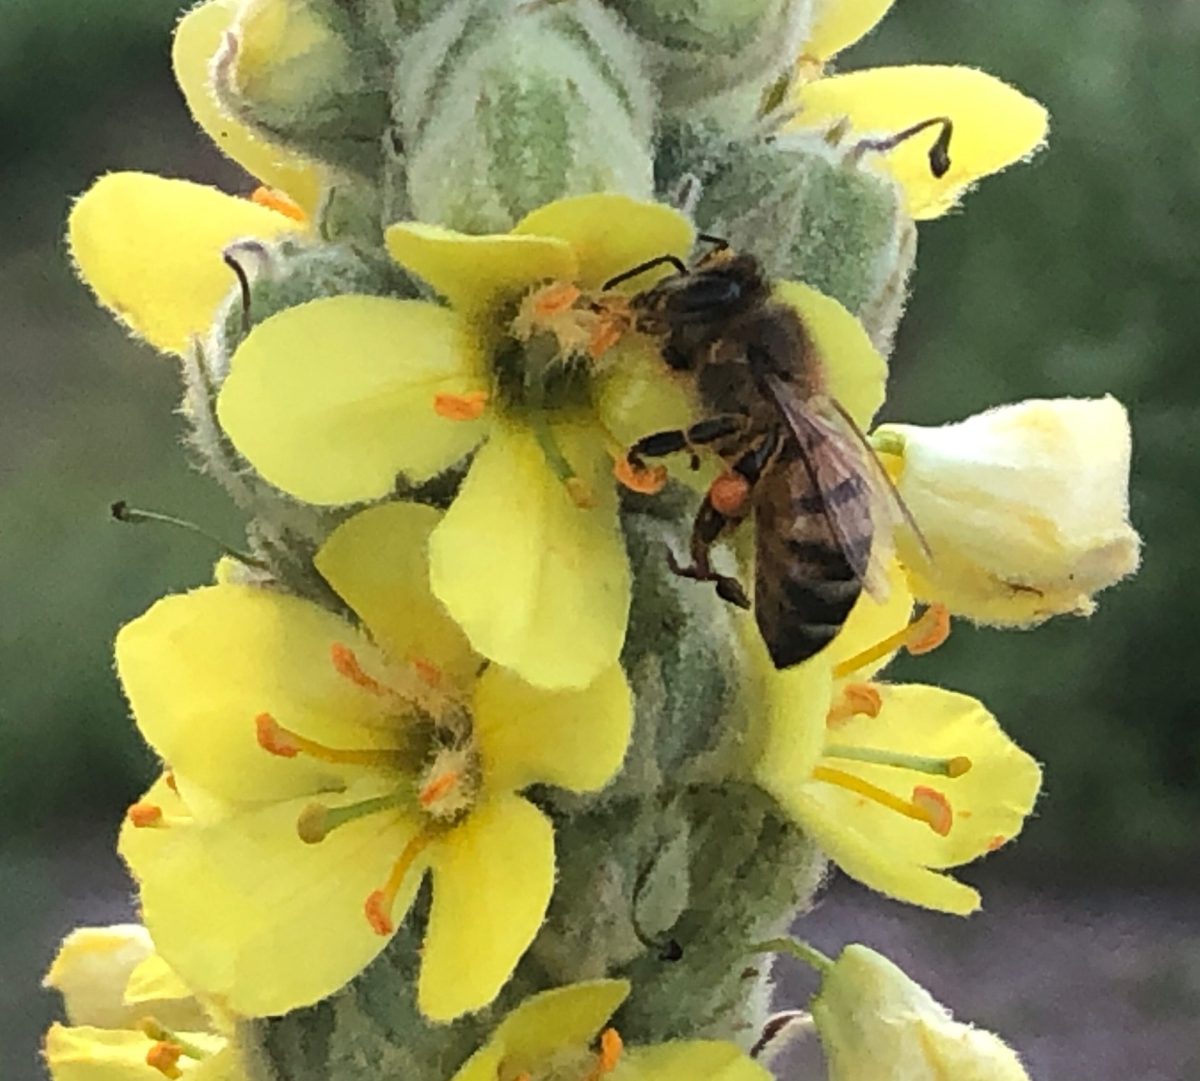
x: 438, y: 787
x: 580, y: 492
x: 856, y: 700
x: 273, y: 199
x: 317, y: 820
x: 283, y: 742
x: 169, y: 780
x: 938, y: 767
x: 469, y: 406
x: 729, y: 494
x: 605, y: 334
x: 142, y: 814
x: 554, y: 298
x: 428, y: 672
x: 645, y: 481
x: 611, y: 1046
x: 927, y: 805
x: 936, y: 806
x: 347, y: 664
x: 164, y: 1057
x: 925, y: 633
x: 379, y: 904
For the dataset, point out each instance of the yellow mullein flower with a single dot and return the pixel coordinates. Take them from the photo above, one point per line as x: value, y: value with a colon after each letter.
x: 994, y: 125
x: 331, y: 400
x: 150, y: 247
x: 894, y: 782
x: 549, y: 1036
x: 131, y: 1018
x: 319, y: 774
x: 1025, y: 507
x: 876, y: 1024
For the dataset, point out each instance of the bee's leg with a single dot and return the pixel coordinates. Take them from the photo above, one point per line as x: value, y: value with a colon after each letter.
x: 726, y: 505
x: 672, y: 441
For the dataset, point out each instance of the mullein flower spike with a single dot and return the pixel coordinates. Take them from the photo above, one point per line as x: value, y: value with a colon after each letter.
x: 460, y: 781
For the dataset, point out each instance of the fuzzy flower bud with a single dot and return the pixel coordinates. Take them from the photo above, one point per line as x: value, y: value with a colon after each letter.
x: 1025, y: 508
x: 537, y: 103
x: 699, y: 49
x: 305, y: 73
x: 878, y: 1025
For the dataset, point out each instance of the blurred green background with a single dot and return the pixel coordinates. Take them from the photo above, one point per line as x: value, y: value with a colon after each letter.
x: 1075, y: 275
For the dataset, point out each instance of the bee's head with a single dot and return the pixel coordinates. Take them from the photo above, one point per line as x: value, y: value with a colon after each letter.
x: 720, y: 286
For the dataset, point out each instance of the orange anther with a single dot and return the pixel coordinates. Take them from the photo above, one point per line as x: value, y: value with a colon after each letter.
x: 554, y: 298
x: 274, y: 199
x: 580, y: 492
x: 938, y: 812
x: 164, y: 1057
x: 996, y: 842
x: 605, y: 334
x: 930, y: 631
x: 143, y: 814
x: 347, y: 664
x: 469, y: 406
x: 856, y: 700
x: 729, y: 494
x: 645, y: 481
x: 273, y: 738
x: 169, y: 781
x: 438, y: 787
x: 378, y: 916
x: 611, y: 1046
x: 429, y: 673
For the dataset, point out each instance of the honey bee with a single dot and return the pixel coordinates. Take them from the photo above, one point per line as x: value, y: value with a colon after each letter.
x: 821, y: 502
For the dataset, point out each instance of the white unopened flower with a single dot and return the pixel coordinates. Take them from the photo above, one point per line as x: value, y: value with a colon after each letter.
x: 878, y: 1025
x: 1025, y: 508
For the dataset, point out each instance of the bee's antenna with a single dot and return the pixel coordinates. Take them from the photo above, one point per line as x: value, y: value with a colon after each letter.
x: 659, y: 260
x: 939, y: 153
x: 123, y: 512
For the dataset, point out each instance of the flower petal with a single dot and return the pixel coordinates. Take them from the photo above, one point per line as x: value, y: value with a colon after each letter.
x: 855, y: 371
x: 492, y: 880
x: 332, y: 399
x: 846, y: 838
x: 475, y: 273
x: 378, y: 562
x: 198, y: 38
x: 611, y: 233
x: 995, y: 125
x: 244, y: 910
x: 91, y: 970
x: 687, y: 1060
x: 198, y: 668
x: 840, y: 23
x: 544, y: 1024
x: 150, y: 249
x: 539, y: 584
x: 575, y: 739
x: 990, y: 802
x: 83, y: 1053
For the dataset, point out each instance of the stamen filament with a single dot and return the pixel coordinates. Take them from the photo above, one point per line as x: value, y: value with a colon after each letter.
x: 581, y: 495
x: 923, y: 807
x: 283, y: 742
x: 938, y: 767
x: 379, y: 903
x: 925, y: 633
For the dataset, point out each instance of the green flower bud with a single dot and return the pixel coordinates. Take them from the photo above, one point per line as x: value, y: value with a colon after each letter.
x: 806, y: 209
x: 502, y: 110
x: 699, y: 49
x: 310, y: 74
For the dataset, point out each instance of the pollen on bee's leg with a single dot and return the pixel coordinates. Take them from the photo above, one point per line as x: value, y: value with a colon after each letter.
x: 729, y: 494
x: 938, y: 812
x: 379, y: 904
x: 856, y: 700
x: 468, y: 406
x: 143, y: 814
x: 645, y: 481
x: 274, y: 199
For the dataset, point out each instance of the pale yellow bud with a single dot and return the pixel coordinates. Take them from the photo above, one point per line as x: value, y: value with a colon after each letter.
x: 1025, y: 508
x: 878, y: 1025
x: 92, y: 968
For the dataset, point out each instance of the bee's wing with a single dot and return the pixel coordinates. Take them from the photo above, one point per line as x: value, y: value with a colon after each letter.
x: 840, y: 460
